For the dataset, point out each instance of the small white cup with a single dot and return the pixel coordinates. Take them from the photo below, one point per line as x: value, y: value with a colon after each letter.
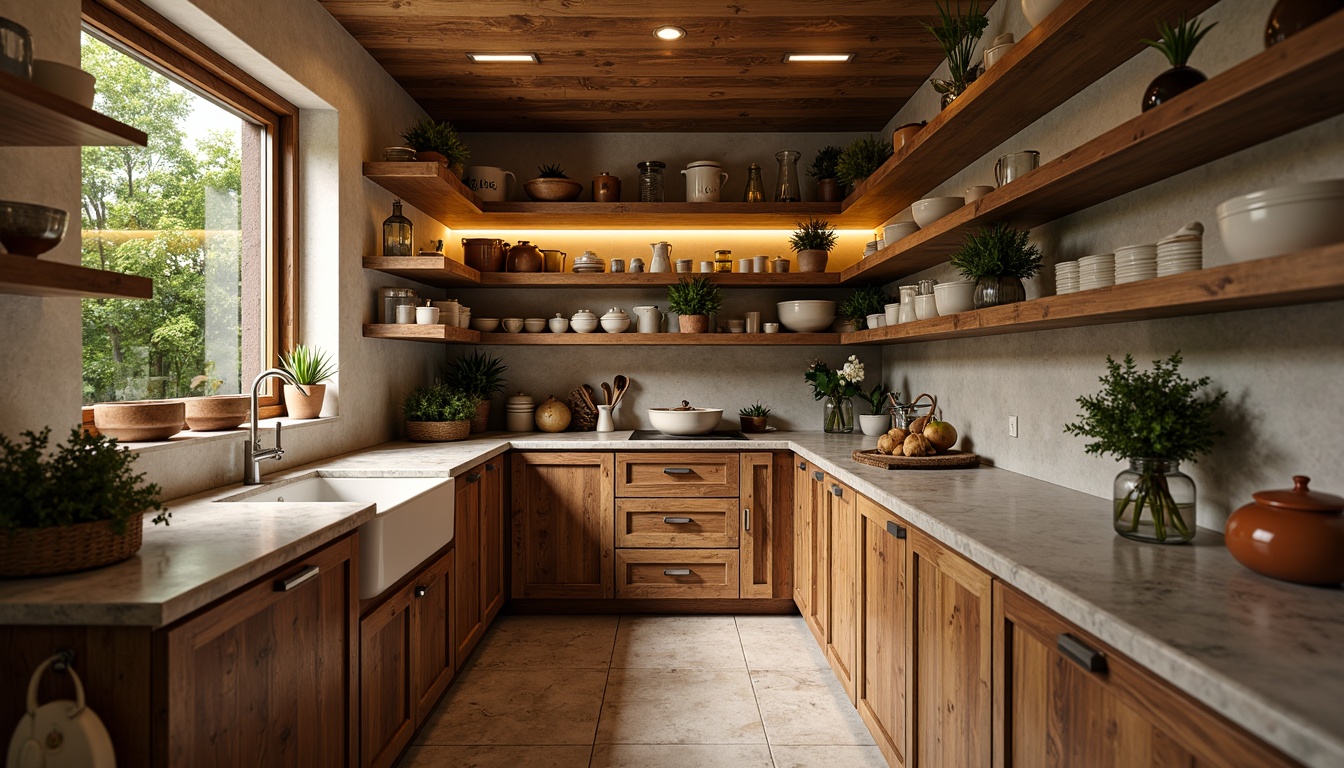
x: 706, y: 266
x: 745, y: 265
x: 892, y: 313
x: 759, y: 264
x: 770, y: 327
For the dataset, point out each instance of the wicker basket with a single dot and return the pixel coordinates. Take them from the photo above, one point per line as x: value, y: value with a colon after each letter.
x: 65, y: 548
x: 481, y: 420
x: 437, y: 431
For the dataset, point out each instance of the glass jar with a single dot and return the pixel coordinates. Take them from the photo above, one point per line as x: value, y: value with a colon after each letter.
x: 838, y: 417
x: 1154, y: 502
x: 723, y: 261
x: 391, y: 298
x: 397, y: 233
x: 651, y: 181
x: 786, y: 190
x: 906, y: 314
x: 755, y: 192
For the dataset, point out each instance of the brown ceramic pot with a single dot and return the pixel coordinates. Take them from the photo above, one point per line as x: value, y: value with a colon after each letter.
x: 753, y: 423
x: 904, y: 135
x: 1295, y: 535
x: 140, y: 420
x: 812, y: 260
x: 693, y: 323
x: 551, y: 190
x: 1292, y: 16
x: 214, y: 414
x: 484, y: 254
x: 301, y: 406
x: 606, y: 188
x: 525, y: 257
x: 829, y: 191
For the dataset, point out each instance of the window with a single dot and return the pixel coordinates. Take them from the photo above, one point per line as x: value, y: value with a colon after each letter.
x: 202, y: 210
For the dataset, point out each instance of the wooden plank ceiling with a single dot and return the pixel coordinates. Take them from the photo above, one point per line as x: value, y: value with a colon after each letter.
x: 602, y: 69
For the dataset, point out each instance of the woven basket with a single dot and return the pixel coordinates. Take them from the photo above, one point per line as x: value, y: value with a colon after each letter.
x: 437, y: 431
x: 65, y: 548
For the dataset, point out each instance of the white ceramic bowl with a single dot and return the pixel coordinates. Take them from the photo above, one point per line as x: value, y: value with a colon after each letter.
x: 951, y: 298
x: 1281, y: 220
x: 534, y: 324
x: 484, y: 324
x: 809, y: 316
x: 901, y: 229
x: 558, y: 324
x: 931, y: 209
x: 696, y: 421
x: 615, y: 324
x: 877, y: 321
x: 926, y: 307
x: 513, y: 324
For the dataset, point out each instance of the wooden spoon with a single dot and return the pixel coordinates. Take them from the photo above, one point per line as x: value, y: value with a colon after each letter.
x: 620, y: 383
x: 606, y: 393
x: 587, y: 393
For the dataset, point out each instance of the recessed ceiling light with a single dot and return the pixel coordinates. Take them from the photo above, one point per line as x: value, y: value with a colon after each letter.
x: 791, y: 57
x: 669, y: 32
x: 503, y: 57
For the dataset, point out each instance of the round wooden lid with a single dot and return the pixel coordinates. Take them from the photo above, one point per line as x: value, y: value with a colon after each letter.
x: 1300, y: 497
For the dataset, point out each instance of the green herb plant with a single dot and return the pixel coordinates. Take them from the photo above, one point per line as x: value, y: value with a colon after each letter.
x: 308, y: 365
x: 551, y: 172
x: 696, y: 296
x: 958, y: 34
x: 866, y: 300
x: 87, y: 479
x: 824, y: 164
x: 813, y: 235
x: 477, y: 376
x: 1178, y: 43
x: 1157, y: 414
x: 876, y: 399
x: 998, y: 251
x: 437, y: 402
x: 754, y: 411
x: 427, y: 135
x: 861, y: 159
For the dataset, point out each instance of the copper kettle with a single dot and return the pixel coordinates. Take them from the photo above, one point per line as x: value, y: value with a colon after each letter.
x: 525, y: 257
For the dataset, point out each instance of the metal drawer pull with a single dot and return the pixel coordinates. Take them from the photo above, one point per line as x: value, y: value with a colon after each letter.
x: 676, y: 571
x: 676, y: 470
x: 421, y: 591
x: 489, y: 467
x: 1080, y: 654
x: 818, y: 476
x: 802, y: 465
x: 746, y: 518
x: 677, y: 520
x: 473, y: 477
x: 837, y: 490
x: 896, y: 530
x: 307, y: 574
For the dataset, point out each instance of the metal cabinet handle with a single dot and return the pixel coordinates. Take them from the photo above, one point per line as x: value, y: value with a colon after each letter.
x: 676, y: 571
x: 307, y: 574
x: 746, y: 518
x: 837, y: 490
x: 489, y: 467
x: 896, y: 530
x: 421, y: 591
x: 676, y: 470
x: 677, y: 520
x: 473, y: 477
x: 1079, y: 653
x: 802, y: 465
x: 818, y: 476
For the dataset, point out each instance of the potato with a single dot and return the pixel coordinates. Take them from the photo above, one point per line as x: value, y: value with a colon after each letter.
x: 887, y: 444
x: 898, y: 435
x: 917, y: 445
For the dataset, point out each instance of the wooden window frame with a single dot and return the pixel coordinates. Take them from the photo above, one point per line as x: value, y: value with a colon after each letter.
x: 146, y: 33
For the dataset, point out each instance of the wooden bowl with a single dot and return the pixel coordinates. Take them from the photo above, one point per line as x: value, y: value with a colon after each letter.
x: 138, y: 421
x: 553, y: 190
x: 215, y: 414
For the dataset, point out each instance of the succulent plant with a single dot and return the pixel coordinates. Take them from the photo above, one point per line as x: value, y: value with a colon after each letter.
x: 1178, y: 43
x: 754, y: 411
x: 551, y: 172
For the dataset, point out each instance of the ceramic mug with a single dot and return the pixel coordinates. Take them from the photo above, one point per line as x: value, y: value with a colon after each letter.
x: 491, y: 184
x: 1015, y: 165
x: 977, y: 192
x: 704, y: 180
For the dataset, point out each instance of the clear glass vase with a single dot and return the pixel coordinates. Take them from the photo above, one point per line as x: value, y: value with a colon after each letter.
x: 1154, y: 502
x: 839, y: 415
x: 786, y: 189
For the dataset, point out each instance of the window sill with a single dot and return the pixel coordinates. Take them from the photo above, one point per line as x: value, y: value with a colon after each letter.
x: 196, y: 438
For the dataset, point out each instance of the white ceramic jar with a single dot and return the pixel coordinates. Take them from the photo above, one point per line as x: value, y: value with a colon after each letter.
x: 615, y: 321
x: 583, y: 321
x: 704, y: 180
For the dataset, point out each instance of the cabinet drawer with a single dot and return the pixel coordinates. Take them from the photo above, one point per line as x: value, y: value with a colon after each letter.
x: 681, y: 523
x: 676, y: 474
x: 676, y: 573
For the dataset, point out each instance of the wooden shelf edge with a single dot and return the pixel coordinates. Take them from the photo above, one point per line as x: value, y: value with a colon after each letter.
x: 437, y: 333
x: 28, y: 276
x: 29, y: 104
x: 442, y: 272
x: 439, y: 271
x: 599, y: 338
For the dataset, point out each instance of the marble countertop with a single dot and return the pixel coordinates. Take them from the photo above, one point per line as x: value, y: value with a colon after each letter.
x: 1265, y: 654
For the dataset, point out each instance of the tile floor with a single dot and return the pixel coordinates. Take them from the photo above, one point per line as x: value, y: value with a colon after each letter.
x: 645, y: 692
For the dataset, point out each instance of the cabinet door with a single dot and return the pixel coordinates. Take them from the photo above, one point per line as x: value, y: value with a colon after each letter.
x: 842, y: 583
x: 468, y: 612
x: 757, y: 501
x: 818, y: 513
x: 267, y: 674
x: 432, y: 649
x: 492, y: 539
x: 1067, y: 699
x: 388, y: 697
x: 883, y: 684
x: 563, y: 514
x: 802, y: 535
x: 951, y: 649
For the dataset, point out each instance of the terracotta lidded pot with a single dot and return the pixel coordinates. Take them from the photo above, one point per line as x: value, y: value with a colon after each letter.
x: 525, y: 257
x: 1294, y: 535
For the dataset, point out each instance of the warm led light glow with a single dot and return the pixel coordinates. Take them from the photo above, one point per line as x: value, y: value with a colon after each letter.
x: 504, y: 57
x: 669, y: 32
x: 792, y: 57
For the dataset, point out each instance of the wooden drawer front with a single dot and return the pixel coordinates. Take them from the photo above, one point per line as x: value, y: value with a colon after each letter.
x: 676, y: 474
x: 682, y: 523
x: 676, y: 573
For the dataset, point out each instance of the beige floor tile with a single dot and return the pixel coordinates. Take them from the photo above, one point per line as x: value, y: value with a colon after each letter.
x: 807, y: 707
x: 547, y: 706
x: 681, y: 756
x: 679, y: 706
x: 496, y: 757
x: 827, y: 757
x: 779, y: 642
x: 547, y: 642
x: 678, y: 642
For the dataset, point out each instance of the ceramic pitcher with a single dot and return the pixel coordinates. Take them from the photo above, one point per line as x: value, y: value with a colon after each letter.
x: 648, y: 319
x: 704, y: 179
x: 662, y: 257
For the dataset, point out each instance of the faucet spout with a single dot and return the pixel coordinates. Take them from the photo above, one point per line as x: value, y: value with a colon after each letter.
x: 253, y: 453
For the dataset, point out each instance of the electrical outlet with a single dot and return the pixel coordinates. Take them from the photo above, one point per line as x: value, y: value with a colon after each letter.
x: 1012, y: 426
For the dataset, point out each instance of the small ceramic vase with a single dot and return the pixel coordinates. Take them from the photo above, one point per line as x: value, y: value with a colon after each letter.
x: 1294, y: 535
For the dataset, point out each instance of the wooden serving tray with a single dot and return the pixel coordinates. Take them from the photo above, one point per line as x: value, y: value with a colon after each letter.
x: 950, y: 460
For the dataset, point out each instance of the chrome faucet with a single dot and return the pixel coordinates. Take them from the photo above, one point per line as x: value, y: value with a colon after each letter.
x: 253, y: 453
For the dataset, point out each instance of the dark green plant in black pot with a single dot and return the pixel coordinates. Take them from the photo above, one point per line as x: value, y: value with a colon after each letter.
x: 1177, y: 44
x: 998, y: 259
x: 479, y: 377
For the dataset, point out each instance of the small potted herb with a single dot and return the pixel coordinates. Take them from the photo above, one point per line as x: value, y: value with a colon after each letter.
x: 998, y: 259
x: 437, y: 413
x: 860, y: 160
x: 479, y: 377
x: 866, y: 300
x: 434, y: 141
x: 1177, y: 44
x: 1154, y: 419
x: 694, y: 300
x: 958, y: 34
x: 754, y: 417
x: 309, y: 366
x: 824, y: 171
x: 813, y: 241
x: 877, y: 421
x: 552, y: 186
x: 837, y: 388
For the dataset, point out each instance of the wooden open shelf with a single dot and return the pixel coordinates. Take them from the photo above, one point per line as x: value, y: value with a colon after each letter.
x: 1078, y: 43
x: 27, y: 276
x: 1295, y: 278
x: 439, y: 271
x: 413, y: 332
x: 1264, y: 97
x: 443, y: 272
x: 35, y: 117
x: 602, y: 339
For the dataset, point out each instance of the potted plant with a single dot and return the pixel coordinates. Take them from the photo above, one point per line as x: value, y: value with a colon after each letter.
x: 479, y: 377
x: 754, y: 417
x: 860, y: 160
x: 437, y: 413
x: 824, y: 171
x: 813, y: 241
x: 694, y: 300
x: 836, y: 388
x: 958, y: 34
x: 998, y: 259
x: 877, y: 421
x: 1155, y: 420
x: 79, y: 506
x: 437, y: 142
x: 309, y: 366
x: 552, y: 186
x: 866, y: 300
x: 1177, y: 44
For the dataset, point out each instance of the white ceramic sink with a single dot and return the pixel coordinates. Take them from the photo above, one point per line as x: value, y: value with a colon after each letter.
x: 414, y: 519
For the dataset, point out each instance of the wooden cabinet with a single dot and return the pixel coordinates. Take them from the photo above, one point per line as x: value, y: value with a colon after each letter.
x: 677, y: 573
x: 842, y: 582
x: 478, y: 540
x: 882, y: 685
x: 433, y: 657
x: 802, y: 534
x: 764, y: 499
x: 678, y: 475
x: 815, y: 510
x: 493, y: 548
x: 562, y: 512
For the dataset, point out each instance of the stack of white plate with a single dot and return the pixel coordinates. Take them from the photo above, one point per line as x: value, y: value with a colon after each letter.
x: 1134, y: 263
x: 1066, y: 277
x: 1097, y: 271
x: 1181, y: 252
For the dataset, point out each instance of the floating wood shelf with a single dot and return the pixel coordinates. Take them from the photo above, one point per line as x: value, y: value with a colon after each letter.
x: 442, y: 272
x: 1264, y: 97
x: 1296, y: 278
x: 439, y: 271
x: 35, y: 117
x: 441, y: 333
x: 602, y: 339
x: 27, y: 276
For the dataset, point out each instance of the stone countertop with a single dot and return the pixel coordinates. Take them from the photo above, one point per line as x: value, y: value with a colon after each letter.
x: 1262, y: 653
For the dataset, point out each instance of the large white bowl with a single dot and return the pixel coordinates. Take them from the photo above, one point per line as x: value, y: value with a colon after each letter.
x: 809, y: 316
x: 1281, y: 220
x: 931, y: 209
x: 952, y: 298
x: 696, y: 421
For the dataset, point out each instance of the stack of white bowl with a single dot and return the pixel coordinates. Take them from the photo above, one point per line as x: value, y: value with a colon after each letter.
x: 1134, y: 263
x: 1096, y: 271
x: 1181, y: 252
x: 519, y: 411
x: 1066, y: 277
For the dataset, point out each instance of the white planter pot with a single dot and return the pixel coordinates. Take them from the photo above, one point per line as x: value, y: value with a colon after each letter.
x: 875, y: 424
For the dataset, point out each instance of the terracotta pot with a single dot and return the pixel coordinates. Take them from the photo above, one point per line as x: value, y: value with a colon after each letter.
x: 753, y: 423
x: 1292, y: 16
x: 829, y: 191
x: 1171, y: 84
x: 812, y: 260
x: 1295, y: 535
x: 140, y: 420
x: 693, y: 323
x: 484, y: 254
x: 525, y: 257
x: 481, y: 420
x: 301, y: 406
x: 902, y: 136
x: 214, y: 414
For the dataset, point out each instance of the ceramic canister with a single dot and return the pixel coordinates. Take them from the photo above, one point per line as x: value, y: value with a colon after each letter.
x: 704, y: 180
x: 606, y: 188
x: 490, y: 184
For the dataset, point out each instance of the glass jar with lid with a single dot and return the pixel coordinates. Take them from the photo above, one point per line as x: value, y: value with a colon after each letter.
x: 391, y: 298
x: 723, y: 261
x: 651, y: 181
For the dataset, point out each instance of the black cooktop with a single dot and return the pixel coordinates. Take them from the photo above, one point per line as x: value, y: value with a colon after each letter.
x: 721, y: 434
